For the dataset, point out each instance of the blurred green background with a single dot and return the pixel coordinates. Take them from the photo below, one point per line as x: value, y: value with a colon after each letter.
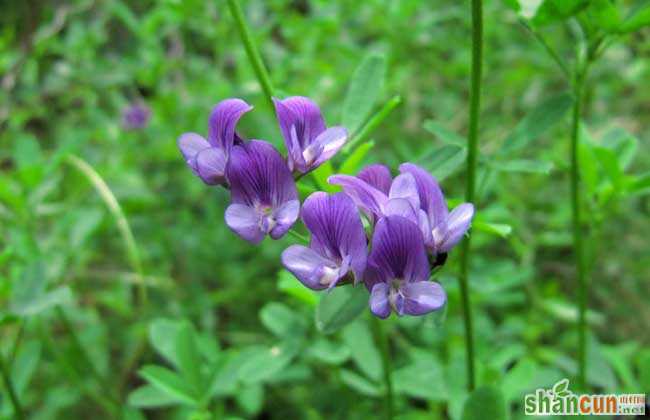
x: 69, y: 69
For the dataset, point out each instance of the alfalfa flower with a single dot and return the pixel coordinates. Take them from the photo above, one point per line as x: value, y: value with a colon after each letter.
x: 264, y: 196
x: 338, y: 242
x: 309, y: 143
x: 398, y: 271
x: 136, y: 116
x: 208, y: 158
x: 441, y: 229
x: 380, y: 196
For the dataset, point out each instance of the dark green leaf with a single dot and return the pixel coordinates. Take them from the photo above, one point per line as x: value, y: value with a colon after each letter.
x: 486, y: 402
x: 551, y: 11
x: 189, y: 358
x: 639, y: 19
x: 522, y: 165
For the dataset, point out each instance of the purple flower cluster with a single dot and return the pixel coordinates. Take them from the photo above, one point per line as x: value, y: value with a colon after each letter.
x: 407, y: 216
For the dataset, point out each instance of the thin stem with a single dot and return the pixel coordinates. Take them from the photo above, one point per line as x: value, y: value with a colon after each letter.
x: 11, y: 390
x: 251, y: 50
x: 549, y: 50
x: 299, y: 236
x: 472, y: 156
x: 373, y: 123
x: 118, y: 215
x: 578, y: 87
x: 382, y: 339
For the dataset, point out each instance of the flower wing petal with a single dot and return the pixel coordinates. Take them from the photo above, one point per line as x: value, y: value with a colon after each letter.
x: 244, y: 221
x: 458, y: 223
x: 422, y: 297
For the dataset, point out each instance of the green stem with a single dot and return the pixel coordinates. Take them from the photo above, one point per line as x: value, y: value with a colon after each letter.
x: 252, y: 51
x: 472, y: 156
x: 382, y: 339
x: 373, y: 123
x: 578, y: 90
x: 120, y: 219
x: 549, y: 50
x: 11, y: 390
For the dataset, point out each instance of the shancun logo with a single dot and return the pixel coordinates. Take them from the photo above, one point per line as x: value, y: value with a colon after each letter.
x: 561, y: 401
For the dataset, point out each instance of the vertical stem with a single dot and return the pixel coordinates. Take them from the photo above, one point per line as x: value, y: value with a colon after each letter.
x: 251, y: 50
x: 578, y: 90
x: 382, y: 338
x: 472, y: 155
x: 9, y: 385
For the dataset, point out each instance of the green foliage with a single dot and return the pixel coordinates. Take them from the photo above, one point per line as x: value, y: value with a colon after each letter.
x: 225, y: 331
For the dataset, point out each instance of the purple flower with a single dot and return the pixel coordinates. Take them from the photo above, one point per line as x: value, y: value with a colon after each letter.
x: 377, y: 195
x: 264, y: 196
x: 136, y: 116
x: 440, y: 228
x: 338, y: 242
x: 208, y: 158
x: 308, y: 141
x: 398, y: 271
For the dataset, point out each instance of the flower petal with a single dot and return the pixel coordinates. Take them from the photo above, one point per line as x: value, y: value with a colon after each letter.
x: 190, y: 144
x: 378, y: 176
x: 401, y: 207
x: 379, y: 304
x: 244, y: 221
x: 285, y: 216
x: 223, y: 120
x: 422, y: 297
x: 211, y: 166
x: 363, y: 194
x: 458, y: 223
x: 336, y: 229
x: 301, y: 113
x: 404, y: 186
x: 258, y: 176
x: 432, y: 200
x: 329, y: 142
x: 306, y: 264
x: 397, y: 251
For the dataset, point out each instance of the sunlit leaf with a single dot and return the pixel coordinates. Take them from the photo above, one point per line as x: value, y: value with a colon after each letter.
x: 169, y: 382
x: 363, y: 91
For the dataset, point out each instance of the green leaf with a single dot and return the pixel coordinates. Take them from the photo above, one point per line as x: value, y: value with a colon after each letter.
x: 258, y: 364
x: 603, y: 15
x: 288, y: 284
x: 339, y: 307
x: 519, y: 379
x: 551, y: 11
x: 498, y: 229
x: 59, y: 296
x: 363, y: 92
x: 444, y: 160
x: 623, y: 144
x: 25, y: 365
x: 352, y: 164
x: 148, y: 396
x: 424, y: 378
x: 359, y: 383
x: 444, y: 134
x: 170, y: 383
x: 640, y: 185
x: 609, y: 162
x: 321, y: 174
x: 358, y: 338
x: 521, y: 165
x: 251, y: 399
x: 189, y: 358
x: 162, y: 336
x: 329, y: 352
x: 643, y: 366
x: 636, y: 21
x: 538, y: 121
x: 486, y: 402
x: 280, y: 320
